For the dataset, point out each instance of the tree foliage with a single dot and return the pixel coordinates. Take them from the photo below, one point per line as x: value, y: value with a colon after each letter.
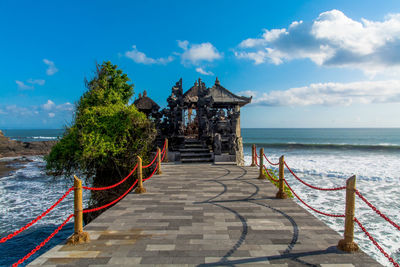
x: 107, y: 133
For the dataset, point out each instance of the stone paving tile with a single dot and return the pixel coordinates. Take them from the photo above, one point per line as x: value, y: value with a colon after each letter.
x: 206, y: 215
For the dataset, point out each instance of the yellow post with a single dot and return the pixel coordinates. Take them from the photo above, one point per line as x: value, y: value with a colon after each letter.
x: 281, y: 192
x: 262, y: 176
x: 140, y: 189
x: 159, y: 161
x: 166, y: 150
x: 79, y: 236
x: 347, y: 244
x: 253, y: 155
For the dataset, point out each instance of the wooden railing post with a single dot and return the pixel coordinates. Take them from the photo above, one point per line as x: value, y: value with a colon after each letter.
x: 262, y: 175
x: 166, y: 150
x: 159, y: 161
x: 79, y: 236
x: 140, y: 189
x: 253, y: 155
x: 347, y: 244
x: 281, y: 192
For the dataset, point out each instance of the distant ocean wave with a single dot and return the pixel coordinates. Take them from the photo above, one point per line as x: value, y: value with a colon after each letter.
x: 44, y: 137
x: 382, y: 146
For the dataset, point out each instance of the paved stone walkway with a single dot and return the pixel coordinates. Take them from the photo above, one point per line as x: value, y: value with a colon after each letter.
x: 206, y: 215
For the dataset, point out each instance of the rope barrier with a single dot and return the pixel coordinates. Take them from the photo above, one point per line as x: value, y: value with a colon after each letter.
x: 272, y: 178
x: 20, y: 261
x: 377, y: 211
x: 112, y: 202
x: 151, y: 163
x: 4, y: 239
x: 376, y: 243
x: 314, y: 187
x: 111, y: 186
x: 164, y: 153
x: 274, y: 164
x: 151, y: 175
x: 320, y: 212
x: 258, y: 165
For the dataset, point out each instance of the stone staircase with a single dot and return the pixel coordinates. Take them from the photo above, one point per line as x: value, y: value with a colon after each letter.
x: 195, y: 151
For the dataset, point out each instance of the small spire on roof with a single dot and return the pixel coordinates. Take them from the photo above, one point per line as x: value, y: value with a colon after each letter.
x: 140, y: 95
x: 144, y: 93
x: 217, y: 81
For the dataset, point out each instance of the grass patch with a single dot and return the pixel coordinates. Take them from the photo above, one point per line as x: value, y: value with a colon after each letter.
x: 275, y: 175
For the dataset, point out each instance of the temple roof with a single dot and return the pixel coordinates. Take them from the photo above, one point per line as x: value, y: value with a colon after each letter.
x: 221, y: 96
x: 145, y: 103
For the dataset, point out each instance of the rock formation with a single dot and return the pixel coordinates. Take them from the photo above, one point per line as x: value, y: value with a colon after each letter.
x: 12, y: 148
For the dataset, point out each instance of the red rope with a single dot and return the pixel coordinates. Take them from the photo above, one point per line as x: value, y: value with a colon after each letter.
x: 258, y: 165
x: 164, y: 153
x: 320, y: 212
x: 272, y: 178
x: 375, y: 243
x: 151, y: 175
x: 43, y: 242
x: 151, y: 163
x: 270, y: 161
x: 111, y: 186
x: 112, y: 202
x: 377, y: 211
x: 314, y: 187
x: 4, y: 239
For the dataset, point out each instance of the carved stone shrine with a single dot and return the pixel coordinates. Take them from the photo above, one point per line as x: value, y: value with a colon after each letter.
x: 202, y: 124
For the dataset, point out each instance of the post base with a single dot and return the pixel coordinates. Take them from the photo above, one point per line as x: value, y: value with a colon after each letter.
x: 281, y: 195
x: 159, y: 172
x: 252, y: 165
x: 140, y: 190
x: 347, y: 246
x: 262, y: 177
x: 78, y: 238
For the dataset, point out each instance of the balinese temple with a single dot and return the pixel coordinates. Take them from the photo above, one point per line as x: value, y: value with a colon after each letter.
x: 202, y: 124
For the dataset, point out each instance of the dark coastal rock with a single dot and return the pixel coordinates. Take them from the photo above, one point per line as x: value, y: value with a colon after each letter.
x: 12, y: 148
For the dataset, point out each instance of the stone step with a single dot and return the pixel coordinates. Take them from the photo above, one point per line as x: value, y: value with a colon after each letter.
x: 189, y: 150
x: 194, y: 146
x: 194, y: 155
x: 195, y: 160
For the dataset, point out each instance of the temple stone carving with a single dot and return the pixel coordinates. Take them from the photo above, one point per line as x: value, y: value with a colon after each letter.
x: 201, y: 115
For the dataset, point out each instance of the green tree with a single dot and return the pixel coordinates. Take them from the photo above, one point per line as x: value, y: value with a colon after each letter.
x: 105, y: 136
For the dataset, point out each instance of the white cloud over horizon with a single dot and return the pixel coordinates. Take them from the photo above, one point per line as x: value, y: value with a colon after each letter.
x: 51, y: 69
x: 141, y: 58
x: 198, y: 53
x: 331, y: 40
x: 331, y: 94
x: 204, y: 72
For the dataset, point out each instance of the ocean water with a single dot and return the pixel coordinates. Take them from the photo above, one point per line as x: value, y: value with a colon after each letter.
x: 30, y: 135
x: 322, y: 157
x: 326, y: 158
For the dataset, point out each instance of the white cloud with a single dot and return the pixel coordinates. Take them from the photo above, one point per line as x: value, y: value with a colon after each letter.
x: 66, y: 106
x: 140, y: 57
x: 331, y: 94
x: 204, y: 72
x: 248, y: 93
x: 38, y: 81
x: 198, y: 53
x: 14, y: 109
x: 51, y: 67
x: 49, y: 105
x: 332, y: 39
x: 22, y: 86
x: 51, y: 115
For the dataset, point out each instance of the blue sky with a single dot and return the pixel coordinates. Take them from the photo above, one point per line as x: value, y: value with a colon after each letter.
x: 306, y: 63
